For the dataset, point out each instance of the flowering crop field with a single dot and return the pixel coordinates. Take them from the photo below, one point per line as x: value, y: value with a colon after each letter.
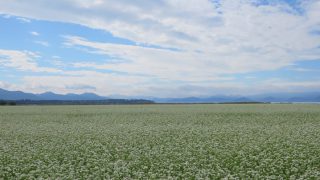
x: 262, y: 141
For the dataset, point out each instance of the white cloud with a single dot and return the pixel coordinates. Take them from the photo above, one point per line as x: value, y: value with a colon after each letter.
x: 177, y: 65
x: 80, y: 81
x: 22, y: 60
x: 4, y: 85
x: 195, y: 24
x: 278, y: 85
x: 213, y: 40
x: 232, y: 36
x: 34, y: 33
x: 103, y: 83
x: 23, y: 20
x: 110, y: 84
x: 42, y: 43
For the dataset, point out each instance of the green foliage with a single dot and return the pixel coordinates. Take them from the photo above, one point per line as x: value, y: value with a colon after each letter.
x: 10, y: 103
x: 261, y: 141
x: 2, y: 102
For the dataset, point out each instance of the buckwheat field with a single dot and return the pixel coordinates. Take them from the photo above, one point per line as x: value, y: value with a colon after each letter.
x: 262, y: 141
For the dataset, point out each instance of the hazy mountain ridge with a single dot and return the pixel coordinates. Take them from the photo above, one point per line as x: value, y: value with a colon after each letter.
x: 272, y: 97
x: 19, y: 95
x: 268, y: 97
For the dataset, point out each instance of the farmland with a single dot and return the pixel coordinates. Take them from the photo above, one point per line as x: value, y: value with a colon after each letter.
x: 160, y: 141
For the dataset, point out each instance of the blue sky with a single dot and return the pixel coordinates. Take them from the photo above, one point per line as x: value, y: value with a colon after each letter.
x: 164, y: 48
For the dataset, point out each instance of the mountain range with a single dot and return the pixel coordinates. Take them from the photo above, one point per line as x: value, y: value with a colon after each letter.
x: 19, y: 95
x: 272, y: 97
x: 268, y: 97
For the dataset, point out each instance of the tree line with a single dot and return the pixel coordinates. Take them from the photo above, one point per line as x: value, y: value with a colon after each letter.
x: 7, y: 103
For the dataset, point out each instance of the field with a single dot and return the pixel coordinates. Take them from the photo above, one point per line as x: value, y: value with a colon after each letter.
x: 262, y: 141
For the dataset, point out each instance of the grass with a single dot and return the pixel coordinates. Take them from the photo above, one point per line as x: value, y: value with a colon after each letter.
x: 261, y: 141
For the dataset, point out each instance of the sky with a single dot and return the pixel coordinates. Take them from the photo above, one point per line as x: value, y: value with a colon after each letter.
x: 160, y: 48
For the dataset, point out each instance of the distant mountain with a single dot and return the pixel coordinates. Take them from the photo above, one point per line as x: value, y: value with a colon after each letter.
x: 270, y: 97
x: 288, y: 97
x: 19, y: 95
x: 213, y: 99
